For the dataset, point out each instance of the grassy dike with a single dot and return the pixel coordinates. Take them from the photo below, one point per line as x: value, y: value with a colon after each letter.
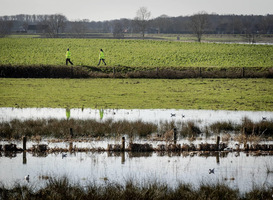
x: 216, y: 94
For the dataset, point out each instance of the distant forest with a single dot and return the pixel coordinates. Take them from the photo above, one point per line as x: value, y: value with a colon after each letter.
x: 55, y: 25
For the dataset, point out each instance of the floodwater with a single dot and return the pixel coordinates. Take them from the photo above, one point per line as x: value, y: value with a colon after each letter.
x: 203, y: 117
x: 237, y: 170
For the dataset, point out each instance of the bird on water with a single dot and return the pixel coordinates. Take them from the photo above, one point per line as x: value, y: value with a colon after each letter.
x: 27, y: 178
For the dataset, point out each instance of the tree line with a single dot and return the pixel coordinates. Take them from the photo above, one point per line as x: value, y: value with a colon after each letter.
x: 197, y: 24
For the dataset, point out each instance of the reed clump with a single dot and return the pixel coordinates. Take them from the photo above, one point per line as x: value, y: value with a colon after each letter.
x: 15, y: 129
x: 190, y: 129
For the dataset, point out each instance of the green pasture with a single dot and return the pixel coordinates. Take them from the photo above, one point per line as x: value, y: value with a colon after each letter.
x: 216, y: 94
x: 133, y: 53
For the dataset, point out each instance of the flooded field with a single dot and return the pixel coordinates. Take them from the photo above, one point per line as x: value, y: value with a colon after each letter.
x: 237, y: 170
x: 242, y: 170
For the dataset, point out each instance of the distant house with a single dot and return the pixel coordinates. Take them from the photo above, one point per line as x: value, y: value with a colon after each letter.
x: 36, y: 28
x: 21, y: 30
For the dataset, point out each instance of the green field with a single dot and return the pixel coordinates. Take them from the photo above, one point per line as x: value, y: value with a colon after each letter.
x: 216, y: 94
x: 133, y: 53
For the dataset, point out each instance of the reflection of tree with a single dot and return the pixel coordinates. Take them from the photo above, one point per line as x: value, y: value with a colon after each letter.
x: 67, y: 112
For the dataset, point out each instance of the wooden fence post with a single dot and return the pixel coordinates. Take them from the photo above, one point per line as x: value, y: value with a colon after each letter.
x: 123, y: 144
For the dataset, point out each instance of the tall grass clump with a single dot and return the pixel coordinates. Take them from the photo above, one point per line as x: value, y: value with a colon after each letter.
x: 165, y: 126
x: 62, y: 188
x: 259, y: 193
x: 217, y: 191
x: 261, y: 128
x: 219, y: 127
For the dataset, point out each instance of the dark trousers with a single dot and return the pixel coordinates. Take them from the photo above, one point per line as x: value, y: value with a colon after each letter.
x: 68, y: 60
x: 102, y: 61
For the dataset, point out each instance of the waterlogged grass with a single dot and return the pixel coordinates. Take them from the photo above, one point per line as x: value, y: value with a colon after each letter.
x: 216, y: 94
x: 245, y: 131
x: 133, y: 53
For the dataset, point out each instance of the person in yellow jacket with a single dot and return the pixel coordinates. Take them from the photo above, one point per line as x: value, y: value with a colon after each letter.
x: 68, y: 56
x: 101, y: 57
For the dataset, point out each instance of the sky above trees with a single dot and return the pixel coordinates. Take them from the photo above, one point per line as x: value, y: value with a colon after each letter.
x: 101, y: 10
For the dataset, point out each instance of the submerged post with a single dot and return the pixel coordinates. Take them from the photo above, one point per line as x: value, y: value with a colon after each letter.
x: 123, y: 144
x: 70, y: 146
x: 122, y: 157
x: 24, y: 158
x: 24, y: 143
x: 174, y: 135
x: 217, y: 143
x: 217, y: 157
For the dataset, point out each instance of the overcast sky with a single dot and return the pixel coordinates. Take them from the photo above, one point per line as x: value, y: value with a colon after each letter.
x: 100, y: 10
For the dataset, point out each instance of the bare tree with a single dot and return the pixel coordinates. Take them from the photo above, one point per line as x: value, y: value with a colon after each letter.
x: 142, y: 20
x: 5, y: 27
x: 55, y: 24
x: 267, y: 24
x: 118, y: 30
x: 198, y: 24
x: 79, y: 27
x: 161, y: 22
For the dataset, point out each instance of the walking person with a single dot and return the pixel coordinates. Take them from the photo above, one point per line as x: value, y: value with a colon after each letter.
x: 101, y: 57
x: 68, y: 56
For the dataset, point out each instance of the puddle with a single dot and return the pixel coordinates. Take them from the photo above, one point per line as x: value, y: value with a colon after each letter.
x: 237, y: 170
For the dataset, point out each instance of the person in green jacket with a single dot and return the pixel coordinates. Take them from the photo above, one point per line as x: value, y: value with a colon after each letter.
x: 101, y: 57
x: 68, y: 56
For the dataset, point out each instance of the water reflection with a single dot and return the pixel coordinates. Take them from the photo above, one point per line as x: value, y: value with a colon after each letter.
x: 132, y: 154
